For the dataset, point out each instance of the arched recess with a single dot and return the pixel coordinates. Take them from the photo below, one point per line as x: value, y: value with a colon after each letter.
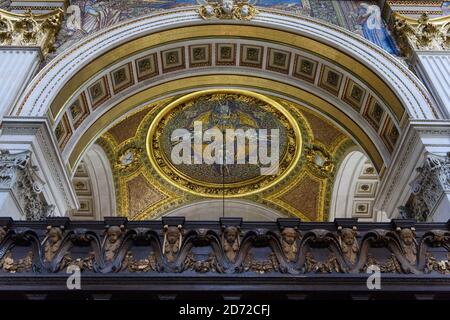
x: 386, y: 83
x: 355, y: 188
x: 95, y: 186
x: 215, y: 209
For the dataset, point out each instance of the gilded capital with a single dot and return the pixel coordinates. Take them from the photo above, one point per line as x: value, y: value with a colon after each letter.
x: 30, y: 30
x: 422, y: 34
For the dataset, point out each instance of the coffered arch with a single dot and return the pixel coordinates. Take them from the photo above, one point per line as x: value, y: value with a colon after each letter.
x: 366, y: 137
x: 388, y: 93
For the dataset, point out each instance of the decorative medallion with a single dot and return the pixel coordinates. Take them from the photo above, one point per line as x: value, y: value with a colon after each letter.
x: 257, y: 126
x: 227, y: 9
x: 128, y: 158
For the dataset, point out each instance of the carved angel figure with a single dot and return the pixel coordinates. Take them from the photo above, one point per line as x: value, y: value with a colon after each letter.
x: 112, y: 242
x: 53, y: 242
x: 289, y: 243
x: 349, y: 245
x: 231, y: 242
x: 3, y: 232
x: 409, y: 245
x: 172, y: 242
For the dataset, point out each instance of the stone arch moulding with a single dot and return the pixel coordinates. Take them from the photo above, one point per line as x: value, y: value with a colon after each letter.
x: 74, y: 64
x: 59, y: 81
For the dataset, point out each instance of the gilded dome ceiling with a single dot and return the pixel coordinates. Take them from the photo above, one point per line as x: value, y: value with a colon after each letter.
x: 230, y: 111
x: 149, y: 182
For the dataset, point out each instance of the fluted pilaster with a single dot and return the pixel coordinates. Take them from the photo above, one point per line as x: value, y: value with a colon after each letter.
x: 434, y: 69
x: 17, y: 67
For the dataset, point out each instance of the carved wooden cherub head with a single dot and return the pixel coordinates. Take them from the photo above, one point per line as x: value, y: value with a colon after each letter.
x: 349, y: 244
x: 231, y: 234
x: 231, y: 242
x: 173, y: 234
x: 348, y: 236
x: 54, y: 235
x: 111, y: 242
x: 408, y: 242
x: 172, y: 241
x: 407, y: 236
x: 289, y: 235
x: 113, y: 233
x: 52, y: 241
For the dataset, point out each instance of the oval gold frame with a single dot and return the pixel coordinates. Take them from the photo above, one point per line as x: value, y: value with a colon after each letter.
x: 191, y: 96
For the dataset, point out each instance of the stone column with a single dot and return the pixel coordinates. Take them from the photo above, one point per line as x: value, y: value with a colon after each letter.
x: 416, y: 185
x: 25, y: 39
x: 32, y: 174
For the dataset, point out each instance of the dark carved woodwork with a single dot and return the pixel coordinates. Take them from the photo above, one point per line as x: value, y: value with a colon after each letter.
x: 225, y: 252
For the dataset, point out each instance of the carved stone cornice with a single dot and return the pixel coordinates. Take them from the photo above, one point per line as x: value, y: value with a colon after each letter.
x: 227, y: 9
x: 421, y: 34
x: 30, y: 30
x: 18, y: 176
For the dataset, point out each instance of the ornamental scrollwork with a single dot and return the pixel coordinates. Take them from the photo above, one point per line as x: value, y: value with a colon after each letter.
x: 227, y: 9
x: 320, y: 161
x: 226, y: 249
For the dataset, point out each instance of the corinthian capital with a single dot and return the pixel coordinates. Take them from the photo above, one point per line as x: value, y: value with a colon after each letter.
x: 432, y: 181
x: 422, y: 34
x: 30, y: 30
x: 18, y: 176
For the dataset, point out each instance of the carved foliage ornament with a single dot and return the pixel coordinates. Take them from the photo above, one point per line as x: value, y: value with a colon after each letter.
x: 433, y: 179
x: 140, y: 250
x: 30, y: 30
x: 227, y: 9
x: 422, y: 34
x: 18, y: 175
